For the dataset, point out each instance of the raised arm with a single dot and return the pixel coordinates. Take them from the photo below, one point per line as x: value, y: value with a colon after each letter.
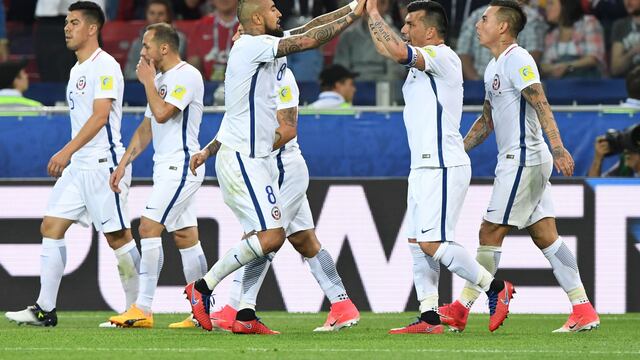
x: 288, y: 129
x: 325, y: 18
x: 480, y: 129
x: 140, y: 140
x: 162, y: 110
x: 318, y: 35
x: 534, y: 94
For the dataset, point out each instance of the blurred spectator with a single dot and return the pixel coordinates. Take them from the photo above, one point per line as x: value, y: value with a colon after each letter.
x: 4, y: 41
x: 627, y: 166
x: 457, y: 13
x: 158, y: 11
x: 633, y: 89
x: 575, y: 47
x: 356, y: 51
x: 476, y: 57
x: 625, y: 39
x: 53, y: 58
x: 188, y: 9
x: 210, y: 43
x: 607, y: 12
x: 14, y: 81
x: 337, y: 88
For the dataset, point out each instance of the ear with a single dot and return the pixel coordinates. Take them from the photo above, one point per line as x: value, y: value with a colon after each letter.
x: 257, y: 19
x: 504, y: 27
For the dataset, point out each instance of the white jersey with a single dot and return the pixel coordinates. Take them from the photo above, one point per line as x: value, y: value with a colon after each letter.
x: 98, y: 77
x: 518, y: 131
x: 249, y: 124
x: 177, y: 139
x: 287, y: 96
x: 433, y: 109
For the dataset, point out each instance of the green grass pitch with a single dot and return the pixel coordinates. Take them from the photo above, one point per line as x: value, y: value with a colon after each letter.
x: 522, y: 337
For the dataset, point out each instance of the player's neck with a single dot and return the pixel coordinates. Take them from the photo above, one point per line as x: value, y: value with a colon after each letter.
x: 169, y: 63
x: 432, y: 42
x: 501, y: 46
x: 254, y: 30
x: 85, y: 52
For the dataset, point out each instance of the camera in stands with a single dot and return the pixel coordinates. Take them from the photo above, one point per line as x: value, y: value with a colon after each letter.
x: 620, y: 140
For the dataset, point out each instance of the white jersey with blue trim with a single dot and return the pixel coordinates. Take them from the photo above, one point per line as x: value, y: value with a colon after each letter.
x: 175, y: 140
x: 287, y: 96
x: 249, y: 124
x: 518, y: 131
x: 433, y: 108
x: 98, y: 77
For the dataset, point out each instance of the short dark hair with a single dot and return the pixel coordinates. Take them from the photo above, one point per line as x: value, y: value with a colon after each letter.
x: 633, y: 83
x: 435, y: 15
x: 511, y: 12
x: 165, y: 34
x: 570, y: 12
x: 333, y: 74
x: 91, y: 11
x: 166, y: 3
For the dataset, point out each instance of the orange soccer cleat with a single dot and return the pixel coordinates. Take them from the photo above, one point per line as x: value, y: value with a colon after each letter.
x: 499, y: 305
x: 454, y: 315
x: 200, y: 305
x: 255, y: 327
x: 583, y: 318
x: 223, y: 319
x: 418, y: 327
x: 342, y: 314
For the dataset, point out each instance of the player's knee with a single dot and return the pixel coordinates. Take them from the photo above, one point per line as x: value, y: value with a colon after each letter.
x: 149, y: 228
x: 271, y: 240
x: 50, y: 229
x: 306, y: 243
x: 185, y: 239
x: 118, y: 239
x: 490, y: 234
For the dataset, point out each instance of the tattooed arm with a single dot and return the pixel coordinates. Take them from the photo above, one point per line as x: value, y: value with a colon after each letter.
x: 534, y: 94
x: 140, y: 140
x: 201, y: 156
x: 288, y: 129
x: 321, y: 20
x: 480, y: 129
x: 317, y: 36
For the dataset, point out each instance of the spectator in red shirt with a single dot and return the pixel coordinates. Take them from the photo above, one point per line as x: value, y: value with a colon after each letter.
x: 209, y: 46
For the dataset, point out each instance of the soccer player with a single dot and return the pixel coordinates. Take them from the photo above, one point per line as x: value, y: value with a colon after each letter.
x: 440, y: 168
x: 517, y: 109
x: 293, y: 181
x: 82, y: 194
x: 247, y: 173
x: 172, y: 119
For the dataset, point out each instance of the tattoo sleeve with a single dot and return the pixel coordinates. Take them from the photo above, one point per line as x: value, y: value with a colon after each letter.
x: 315, y: 37
x: 480, y: 129
x: 213, y: 147
x: 321, y: 20
x: 288, y: 116
x: 534, y: 94
x: 386, y: 38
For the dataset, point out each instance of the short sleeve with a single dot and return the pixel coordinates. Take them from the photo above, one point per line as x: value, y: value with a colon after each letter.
x: 288, y: 92
x: 521, y: 70
x: 264, y: 47
x: 107, y: 78
x: 147, y: 112
x: 180, y: 90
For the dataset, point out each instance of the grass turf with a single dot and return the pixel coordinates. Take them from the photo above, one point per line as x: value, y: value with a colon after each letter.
x: 522, y: 337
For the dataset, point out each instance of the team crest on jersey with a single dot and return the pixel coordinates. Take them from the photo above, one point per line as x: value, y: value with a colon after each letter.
x: 178, y: 92
x: 275, y: 213
x: 162, y: 91
x: 526, y: 73
x: 285, y: 94
x: 496, y: 82
x: 81, y: 83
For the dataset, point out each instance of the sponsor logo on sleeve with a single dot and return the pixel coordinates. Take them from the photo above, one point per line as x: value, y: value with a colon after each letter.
x: 429, y: 50
x: 106, y: 82
x: 285, y: 94
x: 178, y: 92
x: 527, y: 73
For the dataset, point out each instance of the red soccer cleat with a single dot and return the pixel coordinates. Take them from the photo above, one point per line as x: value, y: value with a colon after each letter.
x: 418, y: 327
x: 252, y: 327
x: 342, y: 314
x: 583, y: 318
x: 200, y: 304
x: 454, y: 315
x: 223, y: 318
x: 499, y: 305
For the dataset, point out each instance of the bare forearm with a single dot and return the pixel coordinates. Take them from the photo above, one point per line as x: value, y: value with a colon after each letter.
x: 477, y: 134
x: 213, y: 146
x: 377, y: 42
x: 288, y: 120
x: 322, y: 20
x: 585, y: 62
x: 140, y: 140
x: 596, y: 167
x: 393, y: 45
x: 156, y: 103
x: 88, y: 131
x: 314, y: 37
x: 536, y: 98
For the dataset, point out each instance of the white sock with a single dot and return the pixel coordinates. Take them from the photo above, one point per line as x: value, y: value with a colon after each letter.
x: 194, y: 263
x: 426, y: 275
x: 238, y: 256
x: 52, y: 262
x: 236, y: 289
x: 150, y: 267
x: 565, y: 268
x: 489, y: 258
x: 128, y: 267
x: 324, y: 270
x: 458, y: 261
x: 253, y: 277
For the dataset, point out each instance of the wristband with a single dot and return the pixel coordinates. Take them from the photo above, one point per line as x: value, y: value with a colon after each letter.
x: 353, y: 4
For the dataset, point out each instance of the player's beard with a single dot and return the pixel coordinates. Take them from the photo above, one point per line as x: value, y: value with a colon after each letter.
x: 277, y: 32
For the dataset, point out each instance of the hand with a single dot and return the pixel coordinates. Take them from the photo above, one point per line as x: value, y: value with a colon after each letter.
x: 116, y: 177
x: 563, y: 161
x: 602, y: 147
x: 198, y: 159
x: 559, y: 70
x: 146, y: 71
x: 360, y: 7
x: 57, y: 163
x: 372, y: 7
